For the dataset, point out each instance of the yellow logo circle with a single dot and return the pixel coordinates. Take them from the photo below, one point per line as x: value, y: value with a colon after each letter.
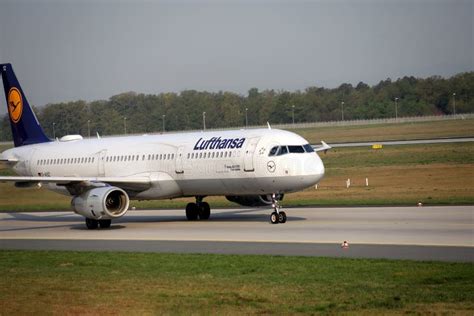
x: 15, y: 104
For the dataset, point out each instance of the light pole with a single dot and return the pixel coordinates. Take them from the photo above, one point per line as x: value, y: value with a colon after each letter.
x: 396, y: 109
x: 163, y: 117
x: 246, y: 117
x: 293, y: 113
x: 125, y: 125
x: 454, y: 103
x: 204, y: 120
x: 89, y: 128
x: 54, y: 130
x: 342, y: 110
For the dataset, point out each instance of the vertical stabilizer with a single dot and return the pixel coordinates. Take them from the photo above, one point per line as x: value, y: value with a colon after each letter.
x: 26, y: 129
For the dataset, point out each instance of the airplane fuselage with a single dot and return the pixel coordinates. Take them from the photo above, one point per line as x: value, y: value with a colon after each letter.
x: 237, y: 162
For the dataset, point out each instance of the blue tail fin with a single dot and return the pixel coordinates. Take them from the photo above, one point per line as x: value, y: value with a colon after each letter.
x: 26, y: 129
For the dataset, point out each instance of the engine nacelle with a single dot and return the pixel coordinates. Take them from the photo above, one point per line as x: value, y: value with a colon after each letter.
x: 101, y: 203
x: 253, y: 200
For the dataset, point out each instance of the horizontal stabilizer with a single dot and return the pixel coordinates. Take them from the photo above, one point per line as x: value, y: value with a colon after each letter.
x: 7, y: 163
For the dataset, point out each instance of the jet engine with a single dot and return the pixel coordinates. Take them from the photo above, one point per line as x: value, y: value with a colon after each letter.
x: 101, y: 203
x: 253, y: 200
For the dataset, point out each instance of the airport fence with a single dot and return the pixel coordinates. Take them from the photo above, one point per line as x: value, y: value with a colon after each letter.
x: 411, y: 119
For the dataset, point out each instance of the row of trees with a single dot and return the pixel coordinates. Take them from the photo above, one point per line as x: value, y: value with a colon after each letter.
x: 140, y: 113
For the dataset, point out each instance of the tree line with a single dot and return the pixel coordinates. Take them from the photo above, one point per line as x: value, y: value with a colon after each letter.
x: 147, y: 113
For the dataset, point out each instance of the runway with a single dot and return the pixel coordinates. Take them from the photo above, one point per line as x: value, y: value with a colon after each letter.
x: 418, y: 233
x: 404, y: 142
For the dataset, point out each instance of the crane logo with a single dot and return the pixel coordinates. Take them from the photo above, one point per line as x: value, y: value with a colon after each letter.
x: 15, y: 104
x: 271, y: 166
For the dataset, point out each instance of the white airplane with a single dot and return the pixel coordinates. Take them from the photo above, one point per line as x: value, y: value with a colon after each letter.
x: 253, y: 167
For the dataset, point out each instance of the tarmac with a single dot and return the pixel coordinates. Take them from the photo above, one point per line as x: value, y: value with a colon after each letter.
x: 439, y: 233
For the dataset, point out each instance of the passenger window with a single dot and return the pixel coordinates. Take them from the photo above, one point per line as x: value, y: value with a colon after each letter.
x: 273, y: 151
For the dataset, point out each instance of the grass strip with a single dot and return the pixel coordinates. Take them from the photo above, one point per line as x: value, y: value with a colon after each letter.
x: 150, y: 283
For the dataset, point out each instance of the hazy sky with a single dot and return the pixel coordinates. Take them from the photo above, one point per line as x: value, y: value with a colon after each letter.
x: 69, y: 50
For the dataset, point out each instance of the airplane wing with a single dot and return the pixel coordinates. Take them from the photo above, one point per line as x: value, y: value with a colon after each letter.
x: 7, y: 163
x: 324, y: 147
x: 126, y: 183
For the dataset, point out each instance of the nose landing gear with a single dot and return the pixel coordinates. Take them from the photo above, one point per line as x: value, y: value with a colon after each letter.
x: 277, y: 216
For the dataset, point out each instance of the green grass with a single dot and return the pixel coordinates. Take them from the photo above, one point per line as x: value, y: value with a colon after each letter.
x: 363, y: 157
x: 384, y: 132
x: 138, y: 283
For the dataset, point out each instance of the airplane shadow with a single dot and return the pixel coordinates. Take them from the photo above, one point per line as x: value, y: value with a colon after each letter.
x: 84, y: 228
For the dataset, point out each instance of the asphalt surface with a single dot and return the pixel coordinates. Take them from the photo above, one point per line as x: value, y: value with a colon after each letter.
x: 416, y: 233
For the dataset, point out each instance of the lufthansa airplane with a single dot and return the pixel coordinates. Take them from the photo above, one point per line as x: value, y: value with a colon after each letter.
x: 253, y: 167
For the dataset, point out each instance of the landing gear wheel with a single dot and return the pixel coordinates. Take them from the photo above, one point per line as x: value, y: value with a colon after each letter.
x: 105, y: 223
x: 274, y: 218
x: 192, y: 211
x: 282, y: 217
x: 92, y: 223
x: 204, y: 211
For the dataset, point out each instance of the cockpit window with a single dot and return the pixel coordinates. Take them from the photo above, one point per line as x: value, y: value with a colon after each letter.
x: 308, y: 148
x: 296, y: 149
x: 273, y: 151
x: 283, y: 150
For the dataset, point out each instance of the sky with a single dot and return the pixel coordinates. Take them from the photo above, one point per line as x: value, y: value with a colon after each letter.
x: 69, y: 50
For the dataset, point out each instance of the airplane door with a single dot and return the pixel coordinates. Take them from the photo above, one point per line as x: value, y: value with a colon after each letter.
x: 29, y: 162
x: 179, y: 160
x: 248, y: 156
x: 101, y: 163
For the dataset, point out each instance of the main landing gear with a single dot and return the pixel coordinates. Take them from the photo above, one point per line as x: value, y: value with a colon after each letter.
x: 94, y: 223
x: 199, y: 210
x: 277, y: 216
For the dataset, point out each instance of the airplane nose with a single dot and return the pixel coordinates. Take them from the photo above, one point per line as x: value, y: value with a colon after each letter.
x: 313, y: 170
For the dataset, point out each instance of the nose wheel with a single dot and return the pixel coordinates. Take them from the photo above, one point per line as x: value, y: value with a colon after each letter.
x: 277, y: 216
